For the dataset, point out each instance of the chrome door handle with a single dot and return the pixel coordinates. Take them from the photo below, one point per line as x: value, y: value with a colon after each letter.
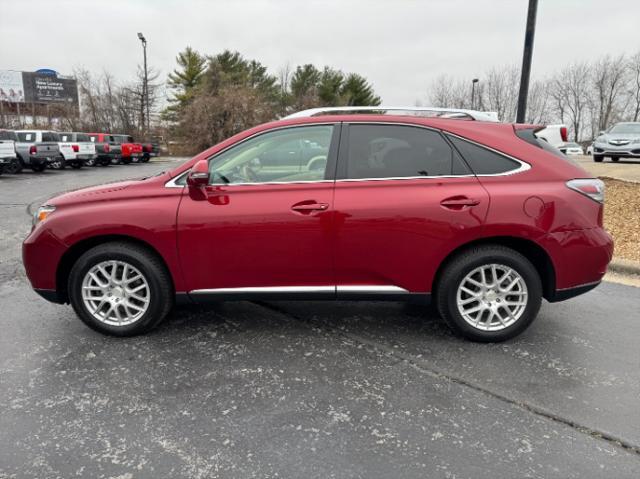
x: 309, y: 207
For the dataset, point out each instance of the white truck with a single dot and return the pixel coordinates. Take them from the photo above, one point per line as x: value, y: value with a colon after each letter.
x: 83, y: 147
x: 9, y: 162
x: 61, y: 153
x: 555, y: 135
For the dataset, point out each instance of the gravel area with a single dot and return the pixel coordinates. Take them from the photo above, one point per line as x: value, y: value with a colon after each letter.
x: 622, y: 217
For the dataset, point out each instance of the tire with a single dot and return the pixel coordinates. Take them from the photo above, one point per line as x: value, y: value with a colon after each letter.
x: 91, y: 162
x: 457, y: 272
x: 76, y: 165
x: 145, y: 158
x: 15, y: 167
x: 38, y: 168
x: 58, y: 164
x: 126, y: 161
x: 105, y: 162
x: 158, y: 289
x: 598, y: 158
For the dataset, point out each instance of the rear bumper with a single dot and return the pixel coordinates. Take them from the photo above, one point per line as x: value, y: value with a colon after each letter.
x: 7, y: 160
x: 580, y: 259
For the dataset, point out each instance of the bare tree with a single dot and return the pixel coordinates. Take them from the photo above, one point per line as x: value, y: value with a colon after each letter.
x: 499, y: 91
x: 448, y: 92
x: 608, y: 76
x: 571, y: 91
x: 633, y: 87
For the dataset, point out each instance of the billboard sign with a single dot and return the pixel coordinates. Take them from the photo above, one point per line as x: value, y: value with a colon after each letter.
x: 11, y: 86
x: 34, y: 87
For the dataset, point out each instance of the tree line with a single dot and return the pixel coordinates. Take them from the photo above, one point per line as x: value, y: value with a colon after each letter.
x: 586, y: 96
x: 214, y: 97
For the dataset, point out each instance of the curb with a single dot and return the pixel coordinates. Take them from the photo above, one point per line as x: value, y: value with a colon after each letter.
x: 624, y: 266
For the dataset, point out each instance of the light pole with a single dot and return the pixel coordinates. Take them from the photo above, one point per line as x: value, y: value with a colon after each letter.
x: 145, y: 88
x: 473, y: 92
x: 526, y: 61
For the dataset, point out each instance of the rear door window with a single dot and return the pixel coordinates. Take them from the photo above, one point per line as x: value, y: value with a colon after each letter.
x: 50, y: 136
x: 398, y: 151
x: 27, y: 137
x: 482, y: 160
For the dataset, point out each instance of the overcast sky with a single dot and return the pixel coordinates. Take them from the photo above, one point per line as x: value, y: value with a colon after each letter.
x: 399, y: 45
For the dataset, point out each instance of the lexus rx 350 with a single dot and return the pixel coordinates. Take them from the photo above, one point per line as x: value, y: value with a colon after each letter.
x: 480, y: 217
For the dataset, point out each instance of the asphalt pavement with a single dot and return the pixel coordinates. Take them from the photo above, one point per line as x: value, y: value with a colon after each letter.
x: 308, y: 389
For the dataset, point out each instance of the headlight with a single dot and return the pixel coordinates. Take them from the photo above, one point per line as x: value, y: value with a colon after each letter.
x: 43, y: 213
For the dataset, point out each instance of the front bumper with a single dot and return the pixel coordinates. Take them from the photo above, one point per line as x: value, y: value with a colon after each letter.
x: 632, y: 150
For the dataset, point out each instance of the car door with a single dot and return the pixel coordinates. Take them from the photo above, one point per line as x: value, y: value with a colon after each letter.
x: 262, y: 229
x: 404, y: 198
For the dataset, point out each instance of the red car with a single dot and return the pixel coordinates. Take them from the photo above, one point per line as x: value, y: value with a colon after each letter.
x: 480, y: 217
x: 129, y: 149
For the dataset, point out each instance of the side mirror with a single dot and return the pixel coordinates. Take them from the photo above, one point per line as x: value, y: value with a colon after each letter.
x: 199, y: 175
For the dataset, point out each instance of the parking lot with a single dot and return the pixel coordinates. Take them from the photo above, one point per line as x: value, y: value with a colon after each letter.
x: 284, y: 389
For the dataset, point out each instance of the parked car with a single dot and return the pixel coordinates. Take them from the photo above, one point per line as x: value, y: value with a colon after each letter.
x: 66, y: 153
x: 150, y: 149
x: 9, y: 162
x: 555, y: 135
x: 129, y: 149
x: 571, y: 149
x: 82, y: 146
x: 37, y: 149
x: 107, y: 150
x: 622, y: 140
x: 484, y: 219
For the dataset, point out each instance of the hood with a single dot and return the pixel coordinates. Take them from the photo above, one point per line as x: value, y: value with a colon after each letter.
x: 95, y: 193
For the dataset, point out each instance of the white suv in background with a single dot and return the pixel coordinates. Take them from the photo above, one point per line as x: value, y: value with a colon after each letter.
x: 82, y: 147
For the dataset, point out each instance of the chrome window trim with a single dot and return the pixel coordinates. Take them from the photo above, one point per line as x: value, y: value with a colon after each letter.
x: 524, y: 166
x: 304, y: 289
x: 171, y: 183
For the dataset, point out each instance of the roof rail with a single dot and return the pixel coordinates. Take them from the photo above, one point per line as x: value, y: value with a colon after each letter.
x: 400, y: 110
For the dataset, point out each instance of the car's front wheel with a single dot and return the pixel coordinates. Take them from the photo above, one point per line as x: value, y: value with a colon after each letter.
x: 120, y: 289
x: 489, y: 293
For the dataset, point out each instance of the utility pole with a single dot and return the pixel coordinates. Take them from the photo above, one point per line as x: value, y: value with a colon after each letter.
x: 526, y: 61
x: 473, y: 93
x: 145, y: 87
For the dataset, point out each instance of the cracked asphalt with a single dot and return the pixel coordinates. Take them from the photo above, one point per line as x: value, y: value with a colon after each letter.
x: 308, y: 389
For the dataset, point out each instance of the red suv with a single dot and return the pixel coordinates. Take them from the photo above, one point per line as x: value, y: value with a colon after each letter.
x: 480, y: 217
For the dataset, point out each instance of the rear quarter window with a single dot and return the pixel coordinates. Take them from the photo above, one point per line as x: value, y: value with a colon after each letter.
x: 482, y: 160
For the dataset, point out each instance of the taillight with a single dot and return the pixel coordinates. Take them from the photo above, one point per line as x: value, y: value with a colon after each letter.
x: 107, y: 148
x: 563, y: 134
x: 76, y: 148
x: 592, y: 187
x: 33, y: 150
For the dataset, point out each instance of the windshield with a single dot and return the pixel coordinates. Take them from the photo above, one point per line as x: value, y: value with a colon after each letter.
x: 626, y: 128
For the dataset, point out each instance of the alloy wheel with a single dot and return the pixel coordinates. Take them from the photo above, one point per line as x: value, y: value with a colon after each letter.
x: 492, y: 297
x: 115, y: 293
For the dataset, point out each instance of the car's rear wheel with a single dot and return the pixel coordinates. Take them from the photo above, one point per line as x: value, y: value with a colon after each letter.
x: 76, y: 165
x: 14, y: 167
x: 598, y: 158
x: 57, y: 164
x: 489, y: 293
x: 38, y: 167
x: 91, y: 162
x: 120, y: 289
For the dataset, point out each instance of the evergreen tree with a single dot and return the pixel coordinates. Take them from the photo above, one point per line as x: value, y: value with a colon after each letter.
x: 184, y: 79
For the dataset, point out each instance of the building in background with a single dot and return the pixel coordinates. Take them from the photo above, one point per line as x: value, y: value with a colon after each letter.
x: 40, y: 97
